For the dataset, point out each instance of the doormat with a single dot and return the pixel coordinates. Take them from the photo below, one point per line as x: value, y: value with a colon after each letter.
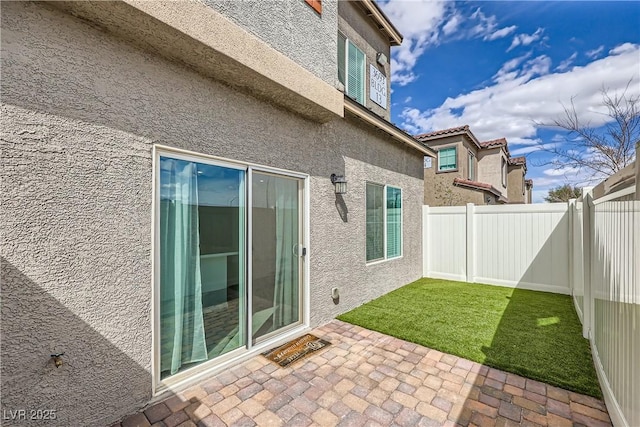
x: 295, y: 350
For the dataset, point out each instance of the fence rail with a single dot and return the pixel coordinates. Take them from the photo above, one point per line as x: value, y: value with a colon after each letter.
x: 589, y: 249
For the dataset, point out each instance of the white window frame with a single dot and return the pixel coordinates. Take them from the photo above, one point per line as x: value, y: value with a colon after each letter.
x: 347, y: 41
x: 471, y: 172
x: 504, y: 172
x: 455, y: 169
x: 385, y: 258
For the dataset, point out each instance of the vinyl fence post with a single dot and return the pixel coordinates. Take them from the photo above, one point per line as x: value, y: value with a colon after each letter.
x: 470, y: 244
x: 426, y: 264
x: 587, y: 222
x: 571, y: 208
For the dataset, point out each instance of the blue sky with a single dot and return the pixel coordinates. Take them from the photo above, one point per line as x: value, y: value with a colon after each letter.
x: 503, y: 66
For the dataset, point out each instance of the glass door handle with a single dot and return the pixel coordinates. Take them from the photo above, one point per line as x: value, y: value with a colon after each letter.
x: 295, y: 249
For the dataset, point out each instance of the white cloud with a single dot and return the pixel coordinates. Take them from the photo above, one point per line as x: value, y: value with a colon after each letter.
x: 452, y: 25
x: 513, y: 106
x: 623, y: 48
x: 426, y: 23
x: 510, y: 72
x: 564, y: 65
x: 525, y: 39
x: 420, y: 22
x: 502, y: 32
x: 561, y: 172
x: 594, y: 53
x: 530, y: 147
x: 486, y: 24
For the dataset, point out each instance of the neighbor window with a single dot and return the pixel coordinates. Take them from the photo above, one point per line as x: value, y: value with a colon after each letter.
x: 384, y: 222
x: 447, y: 159
x: 504, y: 172
x: 472, y: 167
x: 351, y: 69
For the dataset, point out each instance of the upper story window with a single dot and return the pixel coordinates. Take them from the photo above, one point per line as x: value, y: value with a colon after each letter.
x: 351, y: 69
x: 472, y: 167
x: 447, y: 159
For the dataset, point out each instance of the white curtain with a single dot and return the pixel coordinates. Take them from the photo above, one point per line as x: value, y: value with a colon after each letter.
x: 182, y: 322
x: 286, y: 279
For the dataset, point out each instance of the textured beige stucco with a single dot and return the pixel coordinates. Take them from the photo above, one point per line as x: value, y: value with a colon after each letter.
x: 293, y: 28
x: 515, y: 182
x: 81, y: 110
x: 359, y: 28
x: 490, y: 168
x: 195, y: 34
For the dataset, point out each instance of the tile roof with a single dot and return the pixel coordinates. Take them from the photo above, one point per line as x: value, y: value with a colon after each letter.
x: 443, y: 132
x: 518, y: 161
x: 500, y: 142
x: 478, y: 186
x: 424, y: 137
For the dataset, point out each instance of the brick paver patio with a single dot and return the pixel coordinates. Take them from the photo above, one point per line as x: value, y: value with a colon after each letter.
x: 369, y: 379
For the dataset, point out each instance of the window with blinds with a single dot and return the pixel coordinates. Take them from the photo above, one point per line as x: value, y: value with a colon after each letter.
x: 394, y: 222
x: 351, y: 69
x: 472, y: 167
x: 447, y: 159
x: 384, y: 222
x: 375, y: 222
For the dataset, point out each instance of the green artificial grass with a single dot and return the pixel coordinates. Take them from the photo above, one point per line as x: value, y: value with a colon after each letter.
x: 534, y: 334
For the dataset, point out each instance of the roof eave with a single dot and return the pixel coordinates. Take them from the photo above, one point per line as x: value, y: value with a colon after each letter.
x: 383, y: 23
x: 491, y: 190
x: 398, y: 134
x: 464, y: 132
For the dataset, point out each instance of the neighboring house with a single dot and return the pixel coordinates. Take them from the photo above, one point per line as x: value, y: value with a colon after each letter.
x: 528, y: 184
x: 467, y: 170
x: 519, y: 189
x: 168, y: 206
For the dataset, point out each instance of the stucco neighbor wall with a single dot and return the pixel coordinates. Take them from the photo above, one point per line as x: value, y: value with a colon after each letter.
x: 81, y: 111
x: 359, y: 28
x: 490, y: 168
x: 515, y: 181
x: 312, y: 42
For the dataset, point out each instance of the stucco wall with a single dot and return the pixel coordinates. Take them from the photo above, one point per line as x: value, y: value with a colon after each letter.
x: 293, y: 28
x: 359, y: 28
x: 490, y: 168
x: 515, y: 182
x: 80, y: 113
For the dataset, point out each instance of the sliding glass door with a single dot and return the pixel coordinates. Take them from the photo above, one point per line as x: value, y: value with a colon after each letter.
x: 207, y: 307
x: 202, y: 247
x: 275, y: 253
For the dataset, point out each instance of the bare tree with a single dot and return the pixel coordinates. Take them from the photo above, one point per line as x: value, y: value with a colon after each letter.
x: 599, y: 151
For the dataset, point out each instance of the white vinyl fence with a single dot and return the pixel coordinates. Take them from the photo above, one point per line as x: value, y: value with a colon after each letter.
x: 588, y: 249
x: 611, y: 303
x: 524, y: 246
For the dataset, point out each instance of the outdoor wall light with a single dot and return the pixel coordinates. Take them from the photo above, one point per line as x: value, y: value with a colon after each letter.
x: 381, y: 59
x: 340, y: 183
